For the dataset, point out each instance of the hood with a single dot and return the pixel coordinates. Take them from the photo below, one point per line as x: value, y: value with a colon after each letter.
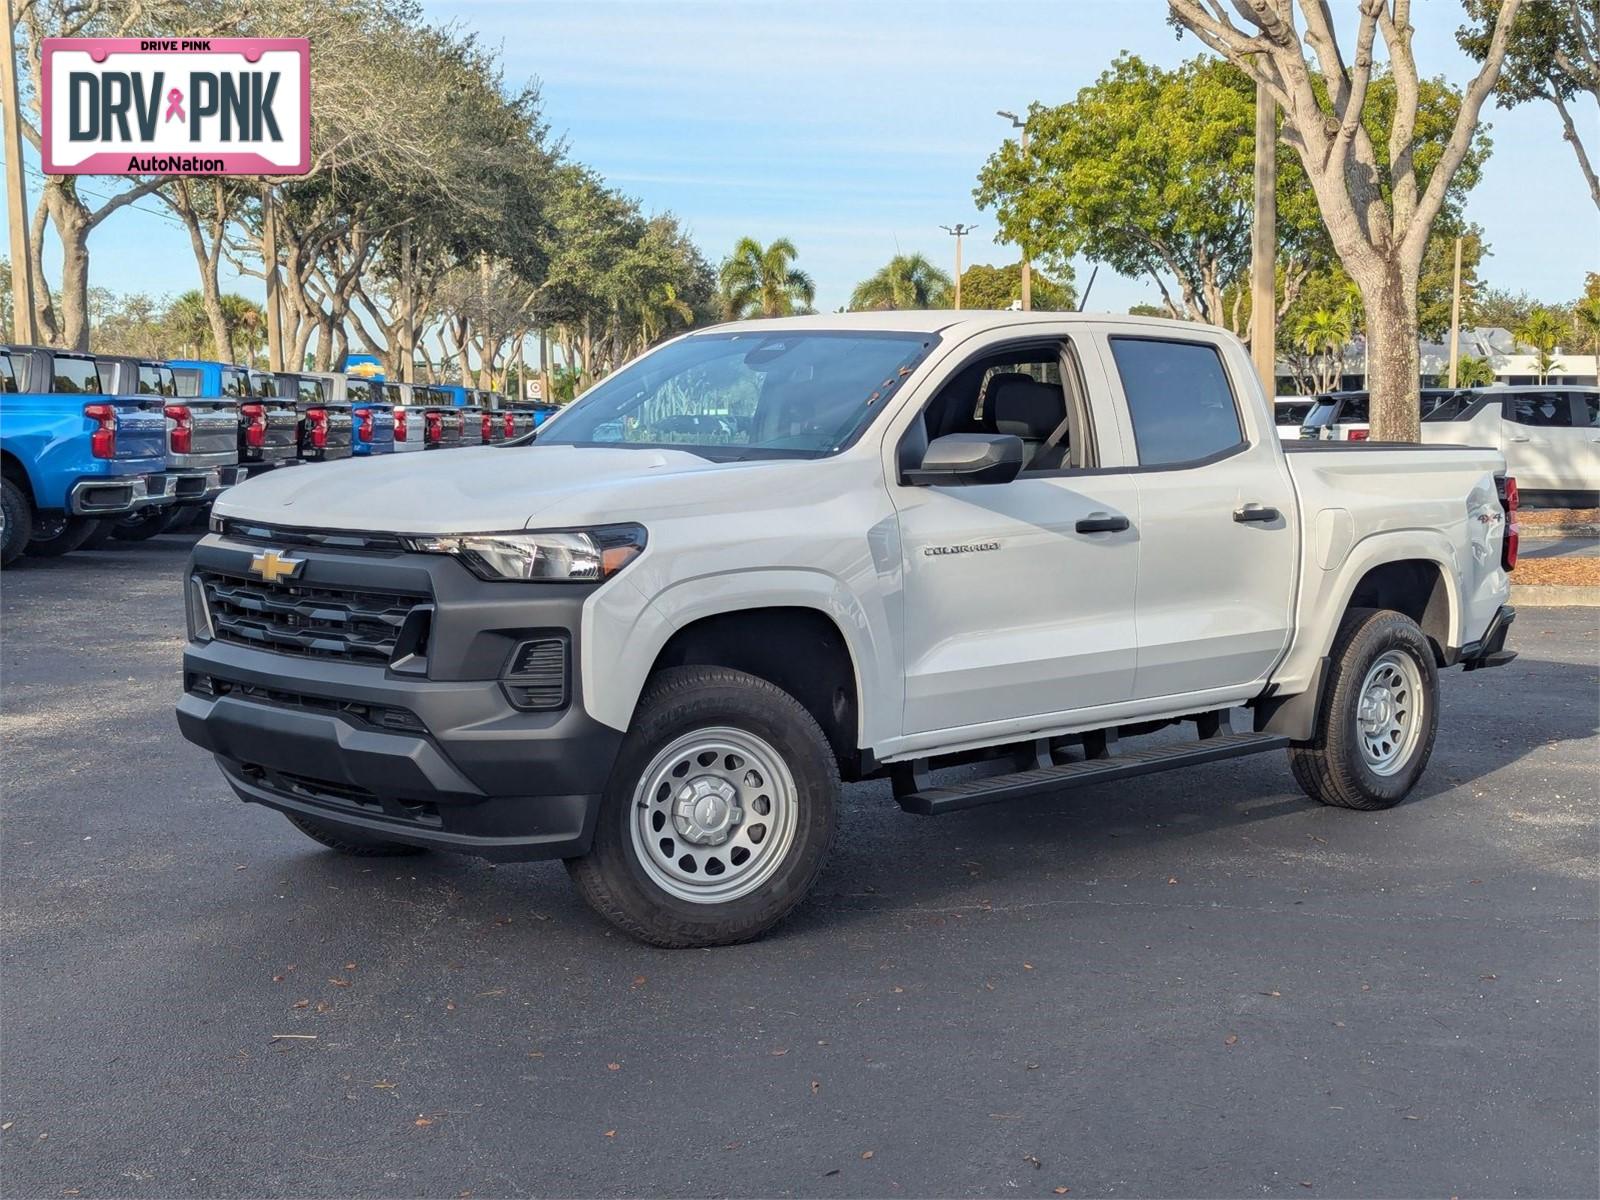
x: 483, y: 488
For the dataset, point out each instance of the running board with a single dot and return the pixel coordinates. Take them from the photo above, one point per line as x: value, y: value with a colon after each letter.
x: 930, y: 801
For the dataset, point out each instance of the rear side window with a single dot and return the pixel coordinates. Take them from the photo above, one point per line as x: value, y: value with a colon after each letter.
x: 1355, y: 410
x: 1178, y: 398
x: 76, y: 375
x: 234, y: 383
x: 1589, y: 401
x: 8, y: 381
x: 1293, y: 414
x: 1448, y: 408
x: 1547, y: 409
x: 187, y: 381
x: 156, y: 381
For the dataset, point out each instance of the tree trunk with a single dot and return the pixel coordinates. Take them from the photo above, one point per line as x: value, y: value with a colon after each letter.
x: 1393, y: 356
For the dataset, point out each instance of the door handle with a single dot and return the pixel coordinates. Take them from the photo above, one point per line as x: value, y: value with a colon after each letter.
x: 1518, y: 439
x: 1255, y: 512
x: 1101, y: 523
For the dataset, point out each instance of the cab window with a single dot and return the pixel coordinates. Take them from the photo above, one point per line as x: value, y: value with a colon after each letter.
x: 1541, y: 409
x: 235, y: 383
x: 8, y: 380
x: 75, y: 375
x: 1179, y: 400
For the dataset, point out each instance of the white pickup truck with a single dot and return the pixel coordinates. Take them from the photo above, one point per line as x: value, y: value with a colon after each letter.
x: 768, y: 555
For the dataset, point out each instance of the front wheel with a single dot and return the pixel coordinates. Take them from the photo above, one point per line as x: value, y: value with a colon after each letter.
x: 16, y: 521
x: 1379, y: 714
x: 718, y: 815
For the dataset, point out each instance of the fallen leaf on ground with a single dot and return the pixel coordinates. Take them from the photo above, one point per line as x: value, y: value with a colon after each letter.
x: 1032, y: 1161
x: 638, y: 981
x: 1231, y: 1040
x: 815, y: 1087
x: 301, y: 1004
x: 1274, y: 995
x: 1061, y: 1191
x: 613, y: 1066
x: 611, y: 1133
x: 422, y: 1122
x: 340, y: 982
x: 779, y: 1053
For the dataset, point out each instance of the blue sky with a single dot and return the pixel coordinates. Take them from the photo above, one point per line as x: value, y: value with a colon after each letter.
x: 857, y: 129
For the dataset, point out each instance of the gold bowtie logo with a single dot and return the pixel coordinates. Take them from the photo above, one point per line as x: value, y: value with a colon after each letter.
x: 272, y: 566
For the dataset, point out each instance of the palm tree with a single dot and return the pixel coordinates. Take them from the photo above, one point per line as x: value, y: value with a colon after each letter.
x: 758, y: 281
x: 906, y: 281
x: 1323, y: 334
x: 1540, y: 330
x: 187, y: 320
x: 657, y: 310
x: 1587, y: 311
x: 245, y: 320
x: 1474, y: 372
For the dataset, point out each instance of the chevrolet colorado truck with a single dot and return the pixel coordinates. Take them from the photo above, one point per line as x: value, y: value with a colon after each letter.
x: 652, y: 638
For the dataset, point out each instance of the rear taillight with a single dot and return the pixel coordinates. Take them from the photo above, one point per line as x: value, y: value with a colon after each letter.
x: 510, y: 426
x: 103, y: 441
x: 461, y: 424
x: 399, y: 424
x: 317, y: 423
x: 435, y: 428
x: 364, y: 424
x: 255, y: 427
x: 1510, y: 501
x: 488, y: 427
x: 181, y: 434
x: 1357, y: 435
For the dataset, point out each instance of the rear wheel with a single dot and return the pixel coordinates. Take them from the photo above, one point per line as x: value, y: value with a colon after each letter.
x: 357, y: 845
x: 142, y: 525
x: 718, y: 815
x: 16, y: 520
x: 1378, y: 718
x: 59, y: 534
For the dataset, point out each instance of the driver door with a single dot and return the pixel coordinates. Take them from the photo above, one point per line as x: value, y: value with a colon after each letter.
x: 1019, y: 597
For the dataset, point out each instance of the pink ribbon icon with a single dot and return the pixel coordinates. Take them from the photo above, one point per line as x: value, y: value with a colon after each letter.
x: 175, y: 105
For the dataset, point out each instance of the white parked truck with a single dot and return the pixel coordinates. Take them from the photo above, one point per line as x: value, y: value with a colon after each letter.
x: 767, y: 555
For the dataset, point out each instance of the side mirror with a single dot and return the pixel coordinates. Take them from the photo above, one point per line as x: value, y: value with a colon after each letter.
x: 964, y: 459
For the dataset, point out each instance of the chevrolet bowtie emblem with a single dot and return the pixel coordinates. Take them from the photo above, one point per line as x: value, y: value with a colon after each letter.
x: 272, y: 566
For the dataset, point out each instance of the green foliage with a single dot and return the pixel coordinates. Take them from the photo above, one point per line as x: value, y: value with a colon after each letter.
x: 906, y: 281
x: 1473, y: 372
x: 1541, y: 331
x: 1587, y: 311
x: 983, y: 286
x: 1147, y: 310
x: 759, y: 281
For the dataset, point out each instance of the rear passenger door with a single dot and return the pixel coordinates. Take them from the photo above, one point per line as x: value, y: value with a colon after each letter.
x: 1218, y: 537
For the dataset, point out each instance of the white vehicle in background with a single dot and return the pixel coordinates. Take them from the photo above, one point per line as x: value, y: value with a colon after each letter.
x: 1289, y: 413
x: 1345, y: 416
x: 883, y: 544
x: 1549, y: 435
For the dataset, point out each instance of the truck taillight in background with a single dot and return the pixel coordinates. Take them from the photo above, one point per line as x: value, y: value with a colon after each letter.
x: 435, y: 431
x: 488, y: 426
x: 510, y: 425
x: 1357, y: 435
x: 1510, y: 500
x: 317, y: 418
x: 182, y: 433
x: 255, y: 429
x: 103, y: 441
x: 399, y: 424
x: 364, y: 424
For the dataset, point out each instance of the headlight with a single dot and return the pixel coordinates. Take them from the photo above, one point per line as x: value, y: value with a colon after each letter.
x: 562, y: 556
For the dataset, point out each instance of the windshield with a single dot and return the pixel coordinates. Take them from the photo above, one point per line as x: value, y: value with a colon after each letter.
x: 746, y: 395
x: 1321, y: 413
x: 1293, y: 414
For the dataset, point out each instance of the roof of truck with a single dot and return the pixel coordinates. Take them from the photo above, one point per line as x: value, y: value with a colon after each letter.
x: 938, y: 320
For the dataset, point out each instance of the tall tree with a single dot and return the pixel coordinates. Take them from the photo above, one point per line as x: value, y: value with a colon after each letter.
x: 1553, y: 55
x: 1541, y: 332
x: 905, y: 281
x: 1379, y: 209
x: 761, y: 281
x: 983, y: 286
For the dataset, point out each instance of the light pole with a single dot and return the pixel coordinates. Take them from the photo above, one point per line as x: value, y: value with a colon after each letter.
x: 958, y: 232
x: 1027, y: 269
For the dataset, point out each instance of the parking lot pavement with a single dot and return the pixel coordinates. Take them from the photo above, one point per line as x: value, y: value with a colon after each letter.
x: 1194, y: 984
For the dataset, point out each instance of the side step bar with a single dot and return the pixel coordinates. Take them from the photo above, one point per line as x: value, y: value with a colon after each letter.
x: 929, y: 801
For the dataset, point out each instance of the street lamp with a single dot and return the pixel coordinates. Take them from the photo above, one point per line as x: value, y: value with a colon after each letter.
x: 1027, y: 269
x: 958, y: 231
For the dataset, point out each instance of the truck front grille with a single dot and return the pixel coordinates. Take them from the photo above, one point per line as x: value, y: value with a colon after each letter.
x: 356, y: 625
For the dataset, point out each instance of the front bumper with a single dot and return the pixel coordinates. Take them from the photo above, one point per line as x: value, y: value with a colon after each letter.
x: 439, y: 759
x: 112, y: 495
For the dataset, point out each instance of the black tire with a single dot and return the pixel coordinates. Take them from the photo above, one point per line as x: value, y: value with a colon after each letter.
x: 142, y: 525
x: 187, y: 518
x: 1334, y: 766
x: 357, y: 845
x: 54, y: 536
x: 99, y: 535
x: 611, y: 877
x: 17, y: 513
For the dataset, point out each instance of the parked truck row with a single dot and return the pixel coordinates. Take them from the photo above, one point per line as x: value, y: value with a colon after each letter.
x: 100, y: 446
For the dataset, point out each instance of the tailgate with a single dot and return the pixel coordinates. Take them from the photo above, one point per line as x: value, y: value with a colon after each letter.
x: 213, y: 434
x: 141, y: 429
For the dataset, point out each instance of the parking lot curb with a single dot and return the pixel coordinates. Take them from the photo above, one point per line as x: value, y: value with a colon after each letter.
x: 1533, y: 595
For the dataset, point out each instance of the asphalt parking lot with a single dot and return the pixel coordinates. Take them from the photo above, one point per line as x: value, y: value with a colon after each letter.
x: 1195, y: 984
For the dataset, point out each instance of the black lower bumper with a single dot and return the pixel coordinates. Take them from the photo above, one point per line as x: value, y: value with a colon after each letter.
x: 425, y: 758
x: 1490, y: 650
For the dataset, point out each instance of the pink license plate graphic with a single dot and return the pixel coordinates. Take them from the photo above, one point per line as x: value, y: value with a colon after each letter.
x: 158, y: 106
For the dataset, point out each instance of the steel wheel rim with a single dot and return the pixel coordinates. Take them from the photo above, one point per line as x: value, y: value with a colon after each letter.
x: 714, y: 815
x: 1389, y: 712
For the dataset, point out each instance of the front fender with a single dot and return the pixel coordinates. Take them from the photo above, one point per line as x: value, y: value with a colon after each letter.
x: 625, y: 631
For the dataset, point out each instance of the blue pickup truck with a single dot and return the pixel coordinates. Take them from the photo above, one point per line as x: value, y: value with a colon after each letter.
x: 71, y: 455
